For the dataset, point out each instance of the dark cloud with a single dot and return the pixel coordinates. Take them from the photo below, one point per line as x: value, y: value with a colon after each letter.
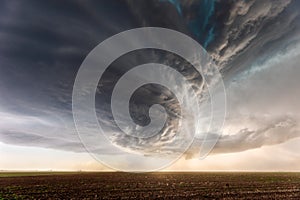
x: 43, y: 44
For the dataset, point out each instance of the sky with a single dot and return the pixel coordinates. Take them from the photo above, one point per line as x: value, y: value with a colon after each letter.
x: 255, y: 45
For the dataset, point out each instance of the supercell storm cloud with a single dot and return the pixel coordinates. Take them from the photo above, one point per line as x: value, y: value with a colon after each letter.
x: 255, y: 44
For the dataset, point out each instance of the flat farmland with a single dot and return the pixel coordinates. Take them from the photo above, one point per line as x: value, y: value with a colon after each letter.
x: 164, y: 185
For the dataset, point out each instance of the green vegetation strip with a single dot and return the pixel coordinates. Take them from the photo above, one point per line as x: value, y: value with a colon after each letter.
x: 19, y: 174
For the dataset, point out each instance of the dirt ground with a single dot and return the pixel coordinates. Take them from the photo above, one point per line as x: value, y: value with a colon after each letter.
x: 115, y: 185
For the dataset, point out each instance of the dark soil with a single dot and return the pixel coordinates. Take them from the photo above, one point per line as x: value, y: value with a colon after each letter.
x: 152, y: 186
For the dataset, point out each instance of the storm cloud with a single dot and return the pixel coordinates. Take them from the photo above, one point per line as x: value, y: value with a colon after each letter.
x: 254, y: 43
